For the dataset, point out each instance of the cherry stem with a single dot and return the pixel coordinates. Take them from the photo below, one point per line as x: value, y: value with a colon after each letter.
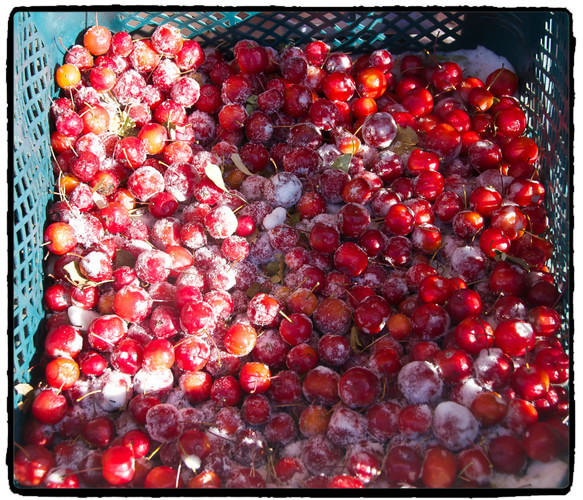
x: 286, y: 316
x: 87, y: 394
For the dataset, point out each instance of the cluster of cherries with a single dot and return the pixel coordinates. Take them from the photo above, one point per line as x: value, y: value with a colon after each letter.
x: 291, y: 268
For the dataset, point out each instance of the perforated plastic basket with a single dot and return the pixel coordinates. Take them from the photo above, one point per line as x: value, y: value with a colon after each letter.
x: 538, y: 43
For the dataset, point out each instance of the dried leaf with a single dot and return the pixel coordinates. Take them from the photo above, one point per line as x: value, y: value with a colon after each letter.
x: 253, y: 237
x: 75, y: 276
x: 23, y: 389
x: 405, y: 141
x: 276, y: 279
x: 124, y: 258
x: 407, y: 135
x: 123, y: 125
x: 213, y: 172
x: 99, y: 199
x: 501, y: 256
x: 355, y: 342
x: 239, y: 164
x: 342, y: 162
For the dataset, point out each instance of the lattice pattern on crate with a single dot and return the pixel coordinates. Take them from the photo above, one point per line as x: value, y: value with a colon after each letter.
x: 414, y: 31
x: 546, y: 98
x: 31, y: 188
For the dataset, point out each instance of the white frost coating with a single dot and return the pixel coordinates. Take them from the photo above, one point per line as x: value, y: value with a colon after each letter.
x: 420, y: 382
x: 468, y: 391
x: 328, y: 153
x: 454, y: 425
x: 478, y: 62
x: 252, y: 187
x: 538, y: 475
x: 93, y: 262
x: 145, y: 381
x: 468, y: 262
x: 283, y: 189
x: 346, y: 426
x: 81, y: 318
x: 275, y: 218
x: 116, y: 391
x: 148, y: 219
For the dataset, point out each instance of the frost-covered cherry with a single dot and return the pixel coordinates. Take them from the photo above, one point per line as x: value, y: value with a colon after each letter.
x: 263, y: 309
x: 197, y: 318
x: 420, y: 382
x: 96, y: 266
x: 358, y: 387
x: 454, y: 425
x: 145, y: 182
x: 185, y: 91
x: 164, y: 422
x: 153, y: 266
x: 379, y: 130
x: 346, y: 426
x: 221, y: 222
x: 106, y: 331
x: 283, y: 189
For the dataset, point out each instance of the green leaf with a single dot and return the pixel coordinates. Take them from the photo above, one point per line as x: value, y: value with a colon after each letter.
x: 342, y: 162
x: 251, y: 104
x: 293, y: 219
x: 253, y: 290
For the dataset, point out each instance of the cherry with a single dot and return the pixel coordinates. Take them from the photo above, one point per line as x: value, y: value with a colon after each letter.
x: 49, y: 407
x: 541, y: 442
x: 429, y: 321
x: 420, y: 382
x: 473, y: 334
x: 440, y: 468
x: 403, y: 464
x: 118, y: 466
x: 463, y: 303
x: 399, y: 219
x: 255, y: 377
x: 502, y: 82
x: 485, y: 200
x: 97, y: 39
x: 455, y: 365
x: 296, y: 329
x: 99, y: 431
x: 163, y: 477
x: 446, y: 76
x: 240, y: 339
x: 32, y: 463
x: 489, y: 408
x: 493, y: 242
x: 515, y: 337
x: 196, y: 385
x: 474, y: 466
x: 530, y: 382
x: 371, y: 315
x: 350, y: 259
x: 493, y: 368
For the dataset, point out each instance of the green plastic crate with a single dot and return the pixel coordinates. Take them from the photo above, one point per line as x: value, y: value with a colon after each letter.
x: 538, y: 43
